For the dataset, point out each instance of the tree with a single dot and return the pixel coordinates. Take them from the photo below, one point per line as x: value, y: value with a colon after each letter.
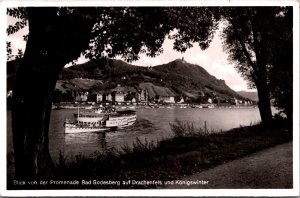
x: 250, y: 38
x: 58, y: 36
x: 281, y: 74
x: 9, y: 51
x: 54, y: 40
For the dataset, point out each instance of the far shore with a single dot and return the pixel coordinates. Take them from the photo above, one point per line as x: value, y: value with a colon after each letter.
x: 146, y: 105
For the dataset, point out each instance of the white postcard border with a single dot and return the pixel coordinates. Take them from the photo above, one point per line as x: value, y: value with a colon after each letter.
x: 194, y: 192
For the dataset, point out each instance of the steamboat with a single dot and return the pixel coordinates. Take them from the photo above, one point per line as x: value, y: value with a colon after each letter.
x: 100, y: 120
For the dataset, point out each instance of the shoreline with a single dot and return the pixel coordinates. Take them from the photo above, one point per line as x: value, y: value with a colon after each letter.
x: 149, y: 106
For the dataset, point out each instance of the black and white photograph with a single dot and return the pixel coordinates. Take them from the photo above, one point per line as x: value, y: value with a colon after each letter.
x: 151, y: 99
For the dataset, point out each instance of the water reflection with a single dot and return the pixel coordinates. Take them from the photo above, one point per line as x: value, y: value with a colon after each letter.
x: 85, y: 139
x: 84, y: 143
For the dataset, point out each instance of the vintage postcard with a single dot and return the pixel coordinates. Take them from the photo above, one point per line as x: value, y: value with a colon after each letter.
x: 150, y: 98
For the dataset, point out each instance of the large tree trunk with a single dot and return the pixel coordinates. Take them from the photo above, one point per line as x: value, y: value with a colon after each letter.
x: 264, y: 104
x: 31, y: 110
x: 30, y: 122
x: 51, y: 44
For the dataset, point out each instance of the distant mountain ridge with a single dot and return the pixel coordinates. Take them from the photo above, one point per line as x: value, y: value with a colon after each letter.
x: 251, y: 95
x: 196, y: 76
x: 178, y: 76
x: 174, y: 78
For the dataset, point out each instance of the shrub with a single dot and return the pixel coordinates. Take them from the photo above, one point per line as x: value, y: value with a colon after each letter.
x: 138, y: 147
x: 187, y: 129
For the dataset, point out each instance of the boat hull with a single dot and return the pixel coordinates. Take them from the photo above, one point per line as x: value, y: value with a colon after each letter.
x: 121, y: 121
x: 73, y: 128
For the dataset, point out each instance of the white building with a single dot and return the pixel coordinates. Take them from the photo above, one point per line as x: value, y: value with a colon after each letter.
x: 119, y: 97
x: 109, y: 97
x: 181, y: 100
x: 167, y: 99
x: 143, y: 95
x: 209, y: 100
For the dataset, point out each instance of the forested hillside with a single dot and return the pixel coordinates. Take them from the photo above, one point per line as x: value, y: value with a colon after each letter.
x: 179, y: 76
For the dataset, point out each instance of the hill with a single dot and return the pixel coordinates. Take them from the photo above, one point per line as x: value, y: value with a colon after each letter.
x: 193, y: 78
x: 174, y: 78
x: 177, y: 76
x: 156, y: 90
x: 77, y: 84
x: 250, y: 95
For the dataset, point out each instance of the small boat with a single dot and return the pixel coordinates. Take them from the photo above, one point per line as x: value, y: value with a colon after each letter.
x: 197, y: 106
x: 211, y: 106
x: 89, y: 107
x: 100, y: 120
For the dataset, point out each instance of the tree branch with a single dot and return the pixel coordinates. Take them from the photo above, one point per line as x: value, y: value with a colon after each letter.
x: 255, y: 39
x: 247, y: 55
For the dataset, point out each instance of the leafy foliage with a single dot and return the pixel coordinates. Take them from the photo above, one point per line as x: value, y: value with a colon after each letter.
x: 281, y: 72
x: 250, y: 45
x: 194, y: 25
x: 20, y: 54
x: 150, y: 25
x: 259, y: 42
x: 19, y: 13
x: 8, y: 51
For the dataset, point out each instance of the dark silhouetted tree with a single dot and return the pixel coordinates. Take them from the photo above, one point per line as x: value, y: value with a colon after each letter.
x: 281, y: 58
x: 251, y: 39
x: 58, y: 36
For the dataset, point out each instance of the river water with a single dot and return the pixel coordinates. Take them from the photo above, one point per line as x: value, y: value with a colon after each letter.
x: 152, y: 124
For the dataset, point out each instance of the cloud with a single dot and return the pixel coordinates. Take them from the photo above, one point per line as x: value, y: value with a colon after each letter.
x: 80, y: 60
x: 199, y: 58
x: 147, y: 61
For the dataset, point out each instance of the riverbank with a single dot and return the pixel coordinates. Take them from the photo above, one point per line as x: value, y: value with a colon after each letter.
x: 148, y: 105
x: 259, y: 170
x: 153, y: 165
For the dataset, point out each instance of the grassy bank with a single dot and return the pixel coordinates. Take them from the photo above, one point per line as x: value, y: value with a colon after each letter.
x: 191, y: 150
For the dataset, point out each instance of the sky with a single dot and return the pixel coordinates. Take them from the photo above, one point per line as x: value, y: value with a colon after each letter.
x: 213, y: 59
